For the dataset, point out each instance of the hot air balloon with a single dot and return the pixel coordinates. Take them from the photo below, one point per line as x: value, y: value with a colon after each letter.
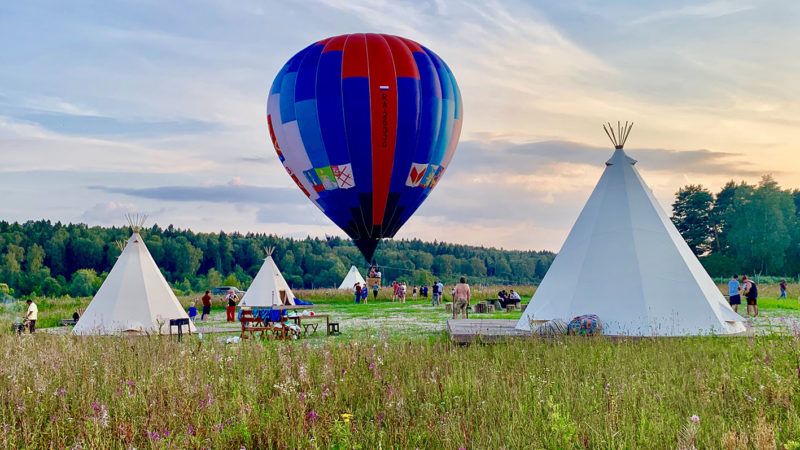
x: 365, y: 125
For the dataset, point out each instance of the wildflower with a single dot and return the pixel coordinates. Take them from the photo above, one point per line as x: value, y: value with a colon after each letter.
x: 312, y: 415
x: 95, y: 406
x: 191, y: 431
x: 130, y: 382
x: 62, y: 391
x: 695, y: 419
x: 346, y: 417
x: 372, y: 366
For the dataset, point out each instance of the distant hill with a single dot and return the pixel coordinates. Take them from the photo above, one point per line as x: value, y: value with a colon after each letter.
x: 42, y: 258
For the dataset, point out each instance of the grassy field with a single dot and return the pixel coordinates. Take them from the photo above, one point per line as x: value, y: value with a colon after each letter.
x: 393, y: 380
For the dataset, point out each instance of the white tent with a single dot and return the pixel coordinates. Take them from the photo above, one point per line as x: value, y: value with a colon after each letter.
x: 135, y: 297
x: 352, y: 277
x: 268, y: 287
x: 625, y: 261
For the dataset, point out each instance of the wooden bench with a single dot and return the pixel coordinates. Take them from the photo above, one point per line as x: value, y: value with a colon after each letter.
x: 252, y: 325
x: 65, y: 322
x: 333, y: 328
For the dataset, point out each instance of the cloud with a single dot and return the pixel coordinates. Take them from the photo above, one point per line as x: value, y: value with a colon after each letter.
x: 709, y: 10
x: 94, y: 125
x: 107, y: 213
x: 234, y: 192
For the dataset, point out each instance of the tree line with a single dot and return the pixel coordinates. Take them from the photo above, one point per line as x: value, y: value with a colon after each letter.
x: 42, y: 258
x: 743, y: 228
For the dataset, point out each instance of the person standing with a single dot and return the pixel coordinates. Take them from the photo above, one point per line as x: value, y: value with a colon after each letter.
x: 751, y: 294
x: 440, y: 288
x: 232, y: 298
x: 394, y: 290
x: 364, y: 294
x: 375, y: 291
x: 357, y: 292
x: 435, y: 294
x: 461, y: 299
x: 783, y: 289
x: 401, y: 292
x: 206, y: 306
x: 734, y: 291
x: 31, y: 316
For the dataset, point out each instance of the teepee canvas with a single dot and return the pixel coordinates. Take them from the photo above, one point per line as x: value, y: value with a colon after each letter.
x: 352, y: 277
x: 134, y: 297
x: 625, y: 261
x: 268, y: 287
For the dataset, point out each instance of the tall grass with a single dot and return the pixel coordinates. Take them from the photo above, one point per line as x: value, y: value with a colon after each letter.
x: 573, y: 393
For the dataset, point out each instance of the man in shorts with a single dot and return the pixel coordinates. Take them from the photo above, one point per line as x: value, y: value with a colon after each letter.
x: 461, y: 298
x: 734, y: 290
x: 206, y: 306
x: 751, y: 294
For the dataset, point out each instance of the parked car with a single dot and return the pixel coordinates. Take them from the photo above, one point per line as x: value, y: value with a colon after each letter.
x: 222, y: 290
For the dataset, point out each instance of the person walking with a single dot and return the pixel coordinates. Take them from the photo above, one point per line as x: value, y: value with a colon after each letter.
x: 375, y: 291
x: 232, y: 298
x: 751, y: 294
x: 357, y: 292
x: 734, y: 291
x: 783, y: 289
x: 192, y: 312
x: 31, y: 316
x: 461, y: 298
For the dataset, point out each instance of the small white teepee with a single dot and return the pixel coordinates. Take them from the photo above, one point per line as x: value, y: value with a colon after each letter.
x: 625, y: 261
x: 268, y: 287
x: 352, y: 277
x: 134, y: 297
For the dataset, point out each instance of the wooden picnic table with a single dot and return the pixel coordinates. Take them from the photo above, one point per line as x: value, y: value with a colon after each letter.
x: 299, y: 319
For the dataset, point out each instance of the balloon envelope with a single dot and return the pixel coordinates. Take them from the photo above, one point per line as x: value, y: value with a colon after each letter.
x: 365, y: 125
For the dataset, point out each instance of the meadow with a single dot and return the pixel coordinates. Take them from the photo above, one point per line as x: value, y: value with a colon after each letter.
x: 388, y: 382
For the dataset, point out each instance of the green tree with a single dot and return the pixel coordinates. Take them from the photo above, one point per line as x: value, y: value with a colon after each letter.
x: 83, y: 283
x: 231, y: 280
x: 214, y: 278
x: 759, y: 221
x: 691, y: 216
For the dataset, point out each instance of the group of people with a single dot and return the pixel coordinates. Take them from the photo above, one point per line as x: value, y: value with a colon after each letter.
x: 231, y: 298
x: 505, y: 298
x: 749, y: 289
x: 361, y: 292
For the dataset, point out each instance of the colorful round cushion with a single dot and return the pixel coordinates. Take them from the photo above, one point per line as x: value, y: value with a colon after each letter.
x: 555, y: 327
x: 586, y: 325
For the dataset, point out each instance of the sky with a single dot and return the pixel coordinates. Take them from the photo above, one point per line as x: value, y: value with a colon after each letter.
x: 109, y: 107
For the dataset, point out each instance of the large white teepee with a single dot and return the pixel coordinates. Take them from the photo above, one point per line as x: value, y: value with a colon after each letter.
x: 268, y: 287
x: 135, y: 297
x: 352, y: 277
x: 625, y: 261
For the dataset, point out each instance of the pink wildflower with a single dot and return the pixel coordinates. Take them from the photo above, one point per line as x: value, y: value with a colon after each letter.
x: 695, y: 418
x: 372, y: 366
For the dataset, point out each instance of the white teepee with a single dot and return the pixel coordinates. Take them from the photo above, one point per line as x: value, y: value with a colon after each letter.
x: 134, y: 297
x: 625, y: 261
x: 352, y: 277
x: 268, y: 287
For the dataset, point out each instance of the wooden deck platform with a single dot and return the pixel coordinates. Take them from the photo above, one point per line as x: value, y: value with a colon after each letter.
x: 487, y: 330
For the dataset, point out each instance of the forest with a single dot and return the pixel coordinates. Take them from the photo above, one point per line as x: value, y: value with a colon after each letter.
x: 743, y: 228
x: 42, y: 258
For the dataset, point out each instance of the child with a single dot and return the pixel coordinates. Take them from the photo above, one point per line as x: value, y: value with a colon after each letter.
x: 192, y: 311
x: 365, y: 294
